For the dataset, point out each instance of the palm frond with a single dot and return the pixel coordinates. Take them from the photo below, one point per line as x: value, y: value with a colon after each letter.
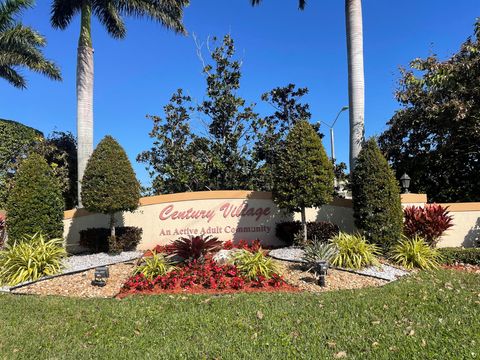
x: 108, y: 14
x: 10, y: 10
x: 12, y: 76
x: 63, y: 12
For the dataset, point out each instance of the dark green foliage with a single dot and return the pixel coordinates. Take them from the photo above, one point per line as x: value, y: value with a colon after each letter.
x: 304, y: 174
x: 435, y: 136
x: 59, y: 149
x: 451, y: 256
x: 97, y: 239
x: 322, y: 231
x: 109, y: 184
x: 16, y: 140
x: 377, y: 207
x: 35, y: 203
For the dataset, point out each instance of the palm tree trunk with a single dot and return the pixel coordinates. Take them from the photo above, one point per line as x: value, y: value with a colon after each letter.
x: 356, y: 81
x: 84, y: 96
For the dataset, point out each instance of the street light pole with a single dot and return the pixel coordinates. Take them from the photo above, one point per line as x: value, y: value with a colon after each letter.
x: 332, y: 138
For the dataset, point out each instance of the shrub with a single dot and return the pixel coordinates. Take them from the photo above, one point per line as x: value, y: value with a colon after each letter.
x: 156, y: 265
x: 2, y: 230
x: 109, y: 184
x: 31, y: 259
x: 316, y: 251
x: 322, y: 231
x: 304, y: 174
x: 415, y: 252
x: 428, y: 222
x: 97, y: 239
x: 35, y: 204
x: 354, y: 252
x: 252, y: 265
x: 377, y: 207
x: 195, y: 247
x: 452, y: 256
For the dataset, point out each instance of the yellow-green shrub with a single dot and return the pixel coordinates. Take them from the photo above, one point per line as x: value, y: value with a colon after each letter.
x: 156, y: 265
x: 354, y: 252
x: 254, y: 264
x: 415, y: 252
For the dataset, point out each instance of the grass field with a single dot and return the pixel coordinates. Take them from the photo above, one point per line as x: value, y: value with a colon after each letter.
x: 433, y: 315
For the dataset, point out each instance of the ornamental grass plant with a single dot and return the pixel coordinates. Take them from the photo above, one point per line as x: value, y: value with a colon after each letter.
x: 354, y: 252
x: 254, y: 264
x: 30, y: 259
x: 156, y: 265
x: 415, y: 253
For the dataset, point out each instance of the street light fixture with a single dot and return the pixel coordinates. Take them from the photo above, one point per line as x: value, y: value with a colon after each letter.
x: 405, y: 181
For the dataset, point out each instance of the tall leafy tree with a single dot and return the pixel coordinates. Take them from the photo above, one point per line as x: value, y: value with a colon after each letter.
x: 110, y: 13
x: 179, y: 160
x: 435, y: 136
x: 303, y: 172
x: 21, y: 46
x: 273, y: 129
x: 356, y: 77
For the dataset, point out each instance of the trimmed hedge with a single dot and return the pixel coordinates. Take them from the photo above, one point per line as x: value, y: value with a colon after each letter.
x: 452, y: 255
x: 35, y: 204
x: 97, y: 239
x: 321, y: 230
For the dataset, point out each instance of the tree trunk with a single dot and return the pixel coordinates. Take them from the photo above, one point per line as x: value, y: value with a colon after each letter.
x: 84, y: 97
x: 112, y: 225
x: 304, y: 225
x: 356, y: 81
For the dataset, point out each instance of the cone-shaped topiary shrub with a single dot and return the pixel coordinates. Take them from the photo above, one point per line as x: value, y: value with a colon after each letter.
x: 303, y: 173
x: 377, y: 206
x: 35, y: 204
x: 109, y: 184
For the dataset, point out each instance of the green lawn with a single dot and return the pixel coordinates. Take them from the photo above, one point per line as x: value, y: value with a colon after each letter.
x: 430, y: 316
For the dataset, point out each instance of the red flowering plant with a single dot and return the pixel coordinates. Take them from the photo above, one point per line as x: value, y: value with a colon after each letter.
x: 195, y: 247
x: 242, y: 244
x: 428, y: 222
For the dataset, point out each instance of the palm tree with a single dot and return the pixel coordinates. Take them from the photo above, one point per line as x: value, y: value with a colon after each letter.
x: 109, y: 12
x: 20, y: 46
x: 356, y: 81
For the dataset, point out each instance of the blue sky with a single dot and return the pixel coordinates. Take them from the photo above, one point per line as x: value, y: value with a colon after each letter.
x: 278, y: 44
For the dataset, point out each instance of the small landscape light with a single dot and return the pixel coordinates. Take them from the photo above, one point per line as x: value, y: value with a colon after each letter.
x: 405, y: 181
x: 101, y: 276
x: 322, y: 268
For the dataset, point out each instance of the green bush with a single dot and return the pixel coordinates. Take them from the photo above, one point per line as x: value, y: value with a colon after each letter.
x: 96, y: 239
x: 322, y: 231
x: 35, y: 204
x: 451, y: 256
x: 109, y: 184
x: 155, y: 265
x: 254, y: 264
x: 31, y: 259
x: 377, y: 206
x: 354, y: 252
x: 415, y: 252
x: 316, y: 251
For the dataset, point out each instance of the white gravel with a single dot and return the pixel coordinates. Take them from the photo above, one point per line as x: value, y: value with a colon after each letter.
x: 384, y: 271
x: 77, y: 263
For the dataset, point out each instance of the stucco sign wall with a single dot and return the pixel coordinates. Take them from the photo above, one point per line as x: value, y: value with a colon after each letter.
x: 228, y: 215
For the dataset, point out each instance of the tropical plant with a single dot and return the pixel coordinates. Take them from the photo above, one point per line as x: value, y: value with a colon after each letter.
x: 428, y: 222
x: 30, y: 259
x: 354, y: 252
x: 316, y: 251
x: 377, y: 207
x: 35, y: 203
x: 109, y: 183
x: 253, y: 265
x: 167, y: 12
x: 195, y: 247
x: 437, y: 128
x: 154, y: 266
x: 356, y: 78
x: 415, y: 252
x: 304, y: 174
x: 21, y: 46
